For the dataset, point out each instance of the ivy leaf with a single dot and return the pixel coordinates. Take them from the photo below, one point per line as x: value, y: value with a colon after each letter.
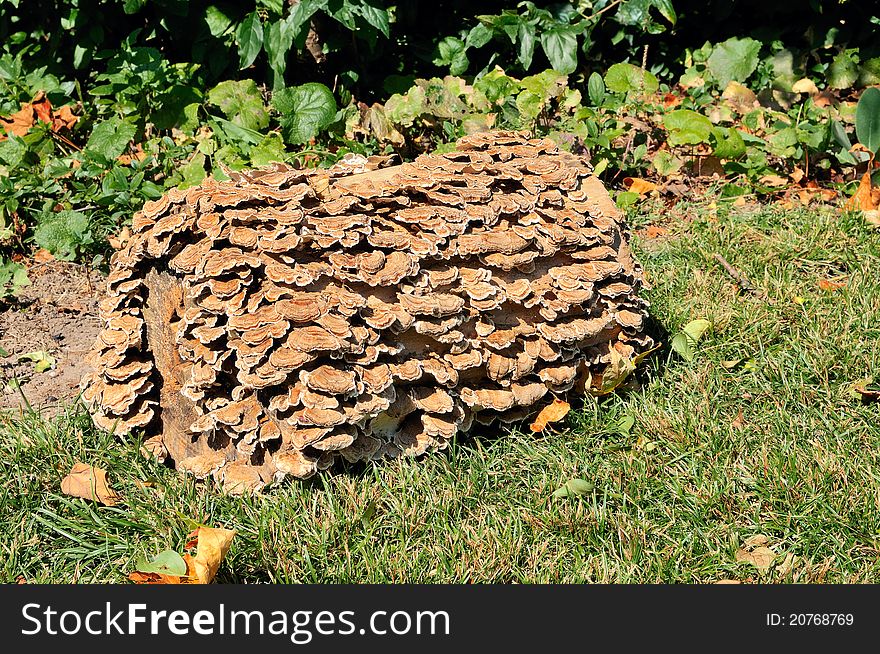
x: 734, y: 60
x: 629, y: 78
x: 63, y: 233
x: 843, y: 72
x: 305, y: 110
x: 560, y: 46
x: 249, y: 38
x: 687, y: 127
x: 241, y: 102
x: 110, y: 138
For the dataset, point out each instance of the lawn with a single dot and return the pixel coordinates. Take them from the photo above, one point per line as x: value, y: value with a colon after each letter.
x: 757, y: 442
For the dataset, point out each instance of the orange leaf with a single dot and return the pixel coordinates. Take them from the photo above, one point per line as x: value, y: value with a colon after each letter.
x: 864, y: 197
x: 42, y: 107
x: 550, y: 413
x: 18, y: 123
x: 89, y: 483
x: 63, y: 118
x: 637, y: 185
x: 832, y: 284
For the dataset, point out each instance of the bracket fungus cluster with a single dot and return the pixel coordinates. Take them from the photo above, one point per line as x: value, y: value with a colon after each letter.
x: 268, y: 325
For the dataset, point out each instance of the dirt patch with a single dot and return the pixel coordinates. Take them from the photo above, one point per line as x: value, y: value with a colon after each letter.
x: 58, y: 314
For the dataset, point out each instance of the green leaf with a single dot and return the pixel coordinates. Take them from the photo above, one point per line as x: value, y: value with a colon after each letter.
x: 218, y: 22
x: 734, y: 60
x: 666, y: 163
x: 628, y: 78
x: 574, y: 487
x: 269, y: 150
x: 452, y: 52
x: 696, y: 328
x: 13, y: 278
x: 164, y: 563
x: 375, y: 16
x: 3, y: 353
x: 110, y: 138
x: 278, y: 42
x: 241, y: 102
x: 526, y: 36
x: 727, y: 143
x: 479, y: 36
x: 43, y: 361
x: 249, y: 37
x: 868, y: 119
x: 63, y: 233
x: 869, y: 73
x: 193, y: 172
x: 596, y: 89
x: 687, y: 127
x: 560, y: 46
x: 844, y: 71
x: 681, y: 344
x: 305, y: 110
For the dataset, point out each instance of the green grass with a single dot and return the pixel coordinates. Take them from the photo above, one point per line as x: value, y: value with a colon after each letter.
x: 775, y: 446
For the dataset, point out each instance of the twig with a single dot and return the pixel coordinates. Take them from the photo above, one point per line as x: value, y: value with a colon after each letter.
x: 742, y: 281
x: 603, y: 10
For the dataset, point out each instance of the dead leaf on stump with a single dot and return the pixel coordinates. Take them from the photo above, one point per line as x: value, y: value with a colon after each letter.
x: 90, y: 483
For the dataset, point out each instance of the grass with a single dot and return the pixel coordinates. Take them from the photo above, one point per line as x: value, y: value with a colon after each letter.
x: 775, y: 445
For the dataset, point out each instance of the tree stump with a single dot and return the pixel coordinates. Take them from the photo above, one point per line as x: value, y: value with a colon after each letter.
x: 269, y: 325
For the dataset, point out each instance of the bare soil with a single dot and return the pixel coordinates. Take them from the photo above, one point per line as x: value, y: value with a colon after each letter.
x: 57, y: 313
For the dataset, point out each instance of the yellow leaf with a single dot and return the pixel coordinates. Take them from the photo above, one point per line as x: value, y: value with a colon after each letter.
x: 90, y: 483
x: 550, y: 413
x: 213, y: 544
x: 637, y: 185
x: 864, y: 197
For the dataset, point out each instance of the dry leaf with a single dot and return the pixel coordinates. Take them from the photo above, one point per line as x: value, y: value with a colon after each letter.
x: 864, y: 197
x: 773, y: 181
x: 805, y: 85
x: 89, y: 483
x: 739, y: 421
x: 728, y: 581
x: 760, y: 557
x: 833, y: 284
x: 43, y: 256
x: 213, y: 544
x: 18, y: 123
x: 638, y: 185
x: 756, y: 540
x: 550, y: 413
x: 653, y: 231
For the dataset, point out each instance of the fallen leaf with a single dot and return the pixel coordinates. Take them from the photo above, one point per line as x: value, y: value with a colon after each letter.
x: 89, y: 483
x: 796, y: 175
x: 638, y: 185
x: 574, y: 487
x: 653, y: 231
x: 683, y: 342
x: 213, y: 544
x: 739, y: 421
x: 19, y: 123
x: 805, y: 85
x: 63, y: 119
x: 43, y: 361
x: 833, y: 284
x: 773, y: 181
x: 728, y: 581
x: 756, y: 540
x: 863, y: 198
x: 868, y: 392
x: 551, y: 413
x: 168, y: 562
x: 787, y: 565
x: 43, y: 256
x: 619, y: 368
x: 761, y: 557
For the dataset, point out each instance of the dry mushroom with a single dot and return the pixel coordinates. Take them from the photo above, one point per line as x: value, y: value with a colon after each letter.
x: 280, y: 321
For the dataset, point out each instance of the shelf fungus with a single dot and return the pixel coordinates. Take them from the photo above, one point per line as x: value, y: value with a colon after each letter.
x: 275, y: 323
